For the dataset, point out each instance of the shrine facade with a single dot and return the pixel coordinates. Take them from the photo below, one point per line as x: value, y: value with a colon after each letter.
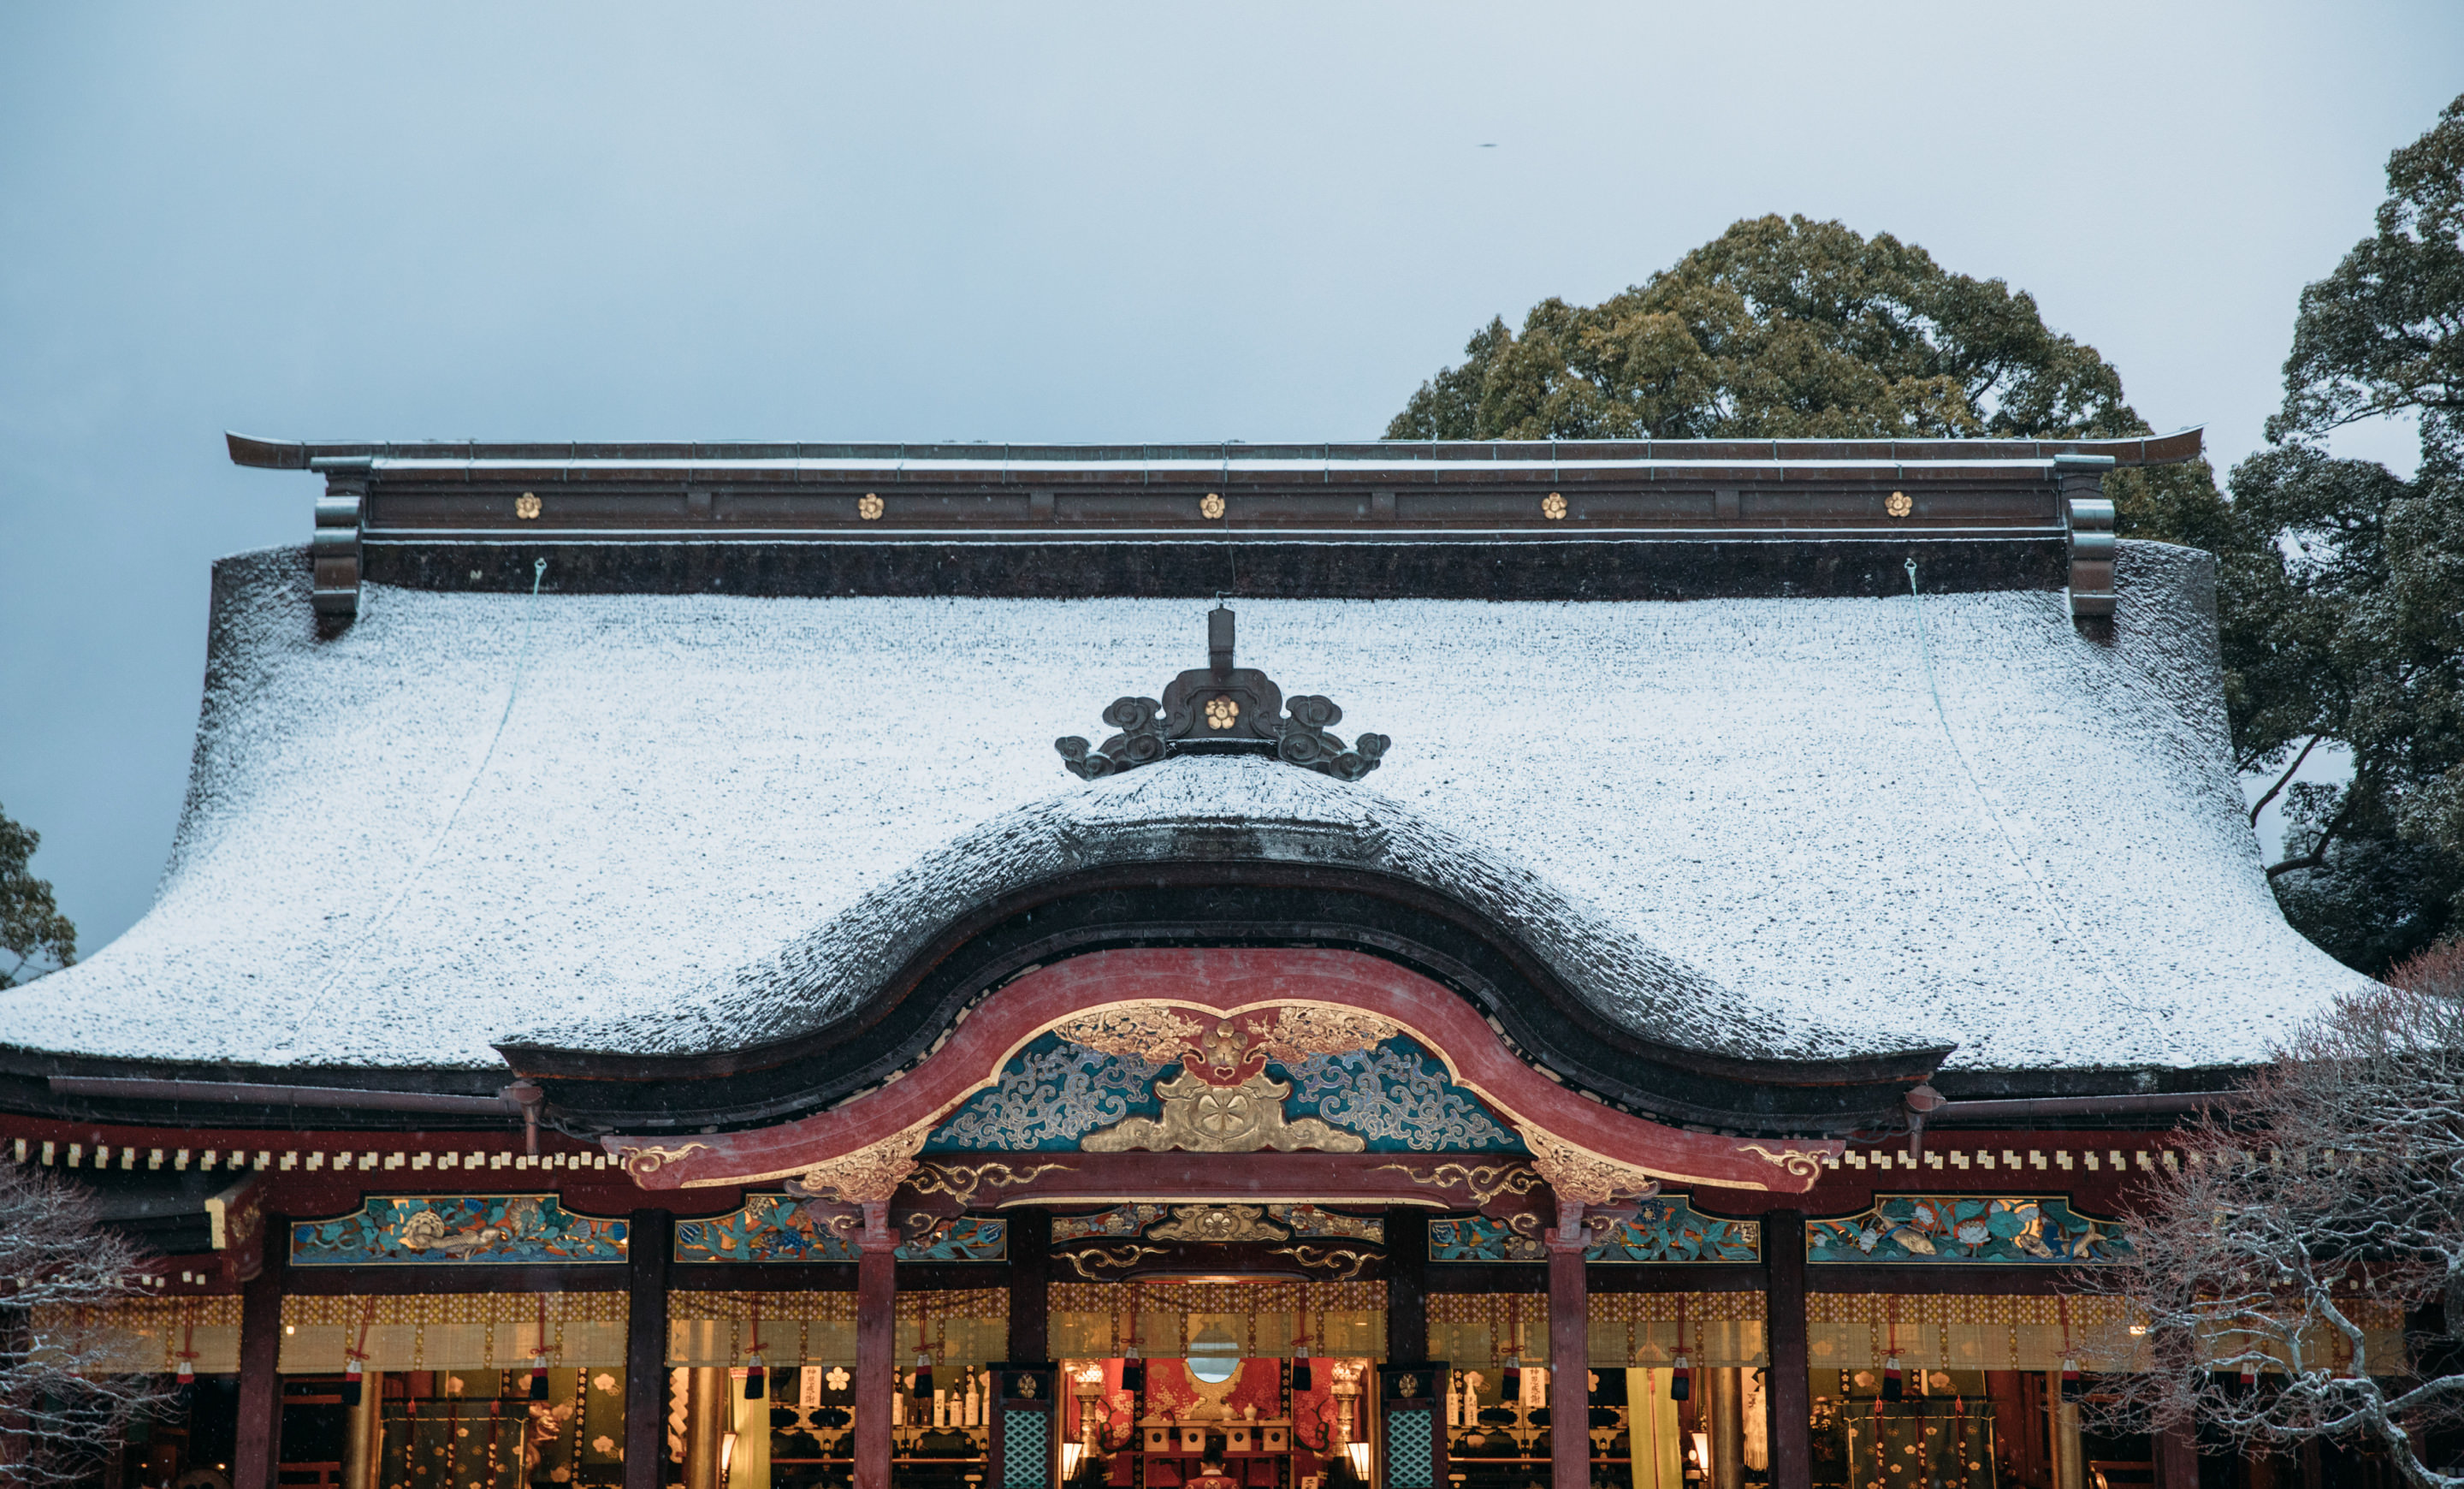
x: 1645, y: 965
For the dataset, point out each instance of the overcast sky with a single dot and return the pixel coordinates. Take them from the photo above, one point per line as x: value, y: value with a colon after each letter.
x: 1011, y: 222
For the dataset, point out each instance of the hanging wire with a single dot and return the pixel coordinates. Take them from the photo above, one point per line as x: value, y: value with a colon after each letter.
x: 2044, y: 895
x: 409, y: 880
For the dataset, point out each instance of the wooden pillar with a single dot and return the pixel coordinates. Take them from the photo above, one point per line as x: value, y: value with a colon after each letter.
x: 364, y: 1434
x: 1727, y: 1406
x: 1407, y: 1286
x: 1787, y: 1400
x: 709, y: 1417
x: 2314, y: 1465
x: 1570, y: 1351
x: 1030, y: 1284
x: 650, y: 1236
x: 259, y: 1450
x: 2070, y: 1464
x: 877, y: 1336
x: 2177, y: 1458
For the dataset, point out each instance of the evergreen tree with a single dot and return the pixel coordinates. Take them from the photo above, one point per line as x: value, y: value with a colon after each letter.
x: 32, y: 927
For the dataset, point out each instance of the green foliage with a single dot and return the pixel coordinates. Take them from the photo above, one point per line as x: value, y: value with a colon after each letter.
x: 32, y: 927
x: 1778, y: 328
x: 2352, y: 612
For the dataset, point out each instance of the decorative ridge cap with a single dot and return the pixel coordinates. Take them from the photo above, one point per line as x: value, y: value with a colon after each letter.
x: 1220, y: 709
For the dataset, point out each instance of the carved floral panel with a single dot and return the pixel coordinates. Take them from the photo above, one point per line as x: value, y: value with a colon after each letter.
x: 2024, y: 1230
x: 432, y: 1229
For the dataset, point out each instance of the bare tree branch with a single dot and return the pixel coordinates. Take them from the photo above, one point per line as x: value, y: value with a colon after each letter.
x: 65, y: 1395
x: 2260, y: 804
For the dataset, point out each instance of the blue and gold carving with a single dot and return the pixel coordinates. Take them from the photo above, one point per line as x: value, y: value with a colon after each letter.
x: 779, y: 1228
x: 1395, y: 1095
x: 2013, y: 1230
x: 1484, y: 1238
x: 1666, y: 1231
x: 1132, y: 1222
x: 1669, y: 1230
x: 428, y: 1230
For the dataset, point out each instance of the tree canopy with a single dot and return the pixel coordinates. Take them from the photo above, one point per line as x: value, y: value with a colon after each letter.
x: 2344, y: 605
x: 1779, y: 329
x: 32, y: 926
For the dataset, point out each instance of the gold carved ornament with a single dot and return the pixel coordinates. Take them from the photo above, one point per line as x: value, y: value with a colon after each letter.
x: 1200, y: 1117
x: 1294, y: 1033
x: 649, y: 1157
x: 1086, y: 1258
x: 868, y: 1175
x: 1484, y: 1182
x: 1796, y: 1162
x: 1217, y: 1223
x: 1343, y: 1262
x: 1585, y: 1177
x: 960, y: 1181
x: 1151, y: 1032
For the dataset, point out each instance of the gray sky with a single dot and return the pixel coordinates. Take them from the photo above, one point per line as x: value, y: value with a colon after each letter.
x: 1013, y: 223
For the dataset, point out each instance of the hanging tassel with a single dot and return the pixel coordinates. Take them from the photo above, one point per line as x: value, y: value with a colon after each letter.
x: 755, y: 1384
x: 1302, y: 1379
x: 1511, y: 1379
x: 1680, y: 1379
x: 539, y: 1377
x: 2073, y: 1389
x: 923, y: 1373
x: 351, y: 1382
x: 187, y: 1375
x: 1895, y: 1386
x: 1134, y: 1374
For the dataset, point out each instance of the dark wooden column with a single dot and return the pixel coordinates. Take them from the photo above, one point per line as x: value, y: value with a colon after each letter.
x: 258, y: 1451
x: 649, y: 1237
x: 1407, y: 1286
x: 1791, y: 1411
x: 1570, y: 1351
x: 1030, y: 1278
x: 2177, y: 1458
x: 877, y: 1336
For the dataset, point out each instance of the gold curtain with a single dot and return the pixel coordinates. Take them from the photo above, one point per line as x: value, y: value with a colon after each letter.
x: 954, y: 1326
x: 2004, y: 1332
x: 1268, y: 1320
x: 1478, y: 1330
x: 451, y: 1331
x: 149, y: 1334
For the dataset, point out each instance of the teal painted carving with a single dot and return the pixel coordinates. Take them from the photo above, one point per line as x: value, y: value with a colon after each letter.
x: 1309, y: 1220
x: 779, y: 1228
x: 1670, y: 1231
x: 1482, y: 1238
x: 2022, y: 1229
x: 1396, y: 1096
x: 1662, y: 1230
x: 445, y: 1229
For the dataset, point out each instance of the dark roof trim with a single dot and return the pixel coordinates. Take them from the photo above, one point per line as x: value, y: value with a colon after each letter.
x: 237, y: 1092
x: 1195, y: 463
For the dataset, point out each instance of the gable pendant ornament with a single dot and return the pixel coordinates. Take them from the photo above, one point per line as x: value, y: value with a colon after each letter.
x: 1220, y: 709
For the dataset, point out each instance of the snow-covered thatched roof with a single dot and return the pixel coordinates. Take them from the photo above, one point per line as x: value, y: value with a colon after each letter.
x: 1734, y: 825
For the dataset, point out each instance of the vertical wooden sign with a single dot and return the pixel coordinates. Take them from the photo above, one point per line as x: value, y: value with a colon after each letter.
x: 1412, y: 1426
x: 1024, y: 1437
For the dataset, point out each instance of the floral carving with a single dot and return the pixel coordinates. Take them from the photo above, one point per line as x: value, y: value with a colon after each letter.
x: 1151, y: 1032
x: 2010, y: 1228
x: 1294, y: 1033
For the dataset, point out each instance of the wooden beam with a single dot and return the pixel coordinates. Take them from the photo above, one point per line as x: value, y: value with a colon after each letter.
x: 1570, y: 1351
x: 1407, y: 1286
x: 877, y: 1336
x: 1030, y: 1277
